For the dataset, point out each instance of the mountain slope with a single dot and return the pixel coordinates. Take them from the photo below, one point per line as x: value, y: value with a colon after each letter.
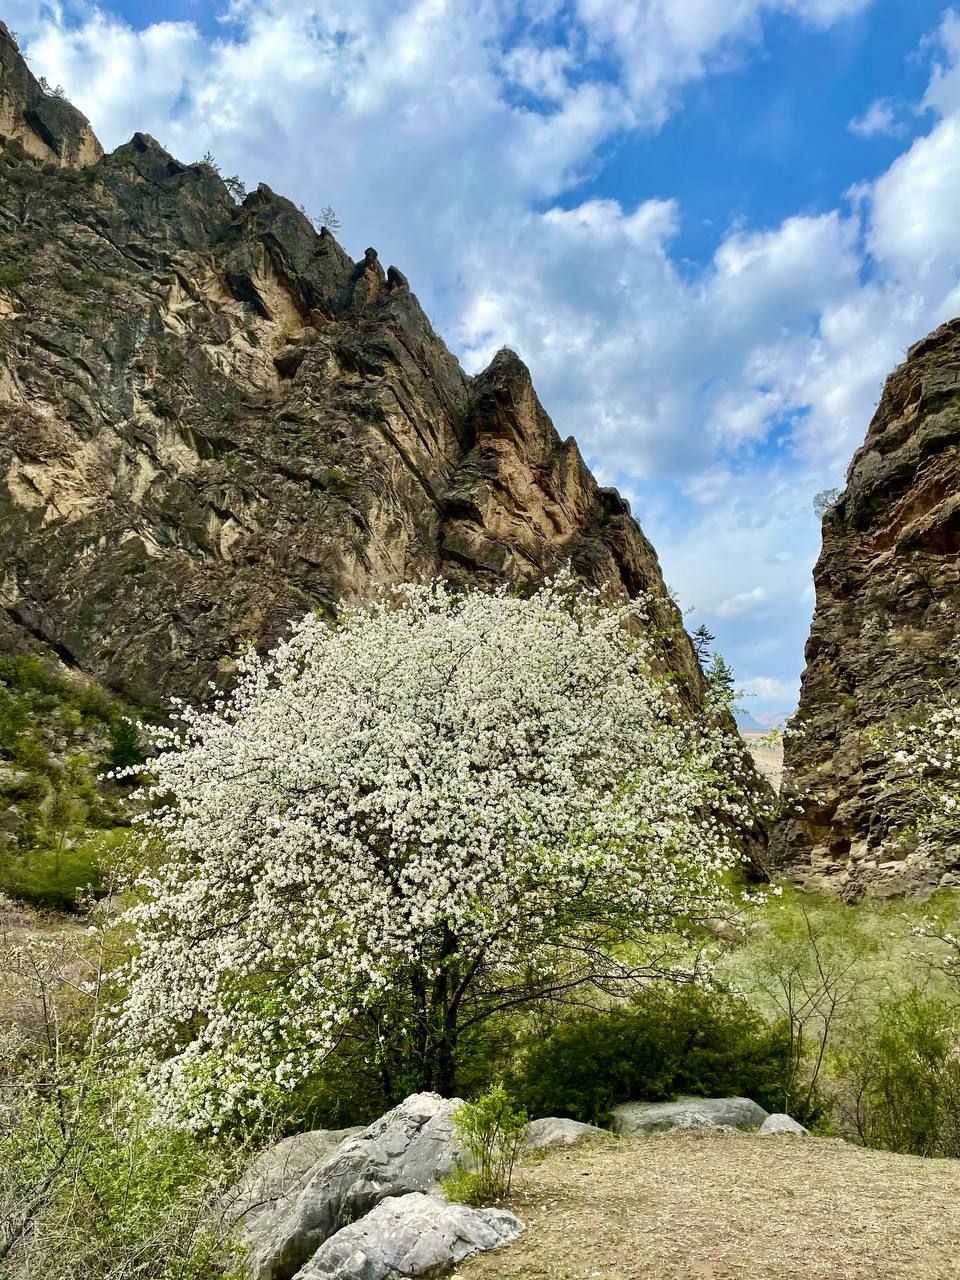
x: 213, y: 420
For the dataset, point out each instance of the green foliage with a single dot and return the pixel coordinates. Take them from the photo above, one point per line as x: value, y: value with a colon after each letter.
x: 80, y: 283
x: 720, y: 676
x: 90, y: 1187
x: 121, y: 1197
x: 12, y: 275
x: 810, y: 964
x: 678, y: 1041
x: 56, y: 876
x: 491, y: 1131
x: 337, y: 482
x: 125, y: 745
x: 703, y: 639
x: 235, y: 186
x: 56, y: 738
x: 902, y: 1077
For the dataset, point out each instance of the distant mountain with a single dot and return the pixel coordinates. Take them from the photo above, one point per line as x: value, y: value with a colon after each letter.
x: 747, y: 723
x: 762, y: 722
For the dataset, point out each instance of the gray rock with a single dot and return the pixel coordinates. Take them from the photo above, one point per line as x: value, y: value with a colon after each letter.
x: 782, y: 1123
x: 555, y: 1132
x: 268, y: 1188
x: 687, y: 1113
x: 411, y: 1235
x: 409, y: 1149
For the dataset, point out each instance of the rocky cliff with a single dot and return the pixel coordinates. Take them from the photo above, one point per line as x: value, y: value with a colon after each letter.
x: 213, y: 420
x: 884, y: 639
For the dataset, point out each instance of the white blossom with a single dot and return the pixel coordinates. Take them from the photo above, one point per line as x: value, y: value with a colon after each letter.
x: 441, y: 788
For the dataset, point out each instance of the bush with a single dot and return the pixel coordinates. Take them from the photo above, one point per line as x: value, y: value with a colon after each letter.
x: 491, y: 1130
x: 901, y: 1078
x: 12, y: 275
x: 125, y: 744
x: 54, y: 878
x: 681, y: 1041
x: 90, y: 1188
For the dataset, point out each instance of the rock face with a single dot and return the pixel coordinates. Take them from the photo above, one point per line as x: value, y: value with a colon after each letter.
x: 37, y: 121
x: 687, y: 1113
x: 212, y: 420
x: 884, y: 639
x: 412, y: 1235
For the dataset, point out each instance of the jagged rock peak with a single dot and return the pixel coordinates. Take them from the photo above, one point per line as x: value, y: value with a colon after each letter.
x: 213, y: 420
x: 884, y: 639
x: 41, y: 122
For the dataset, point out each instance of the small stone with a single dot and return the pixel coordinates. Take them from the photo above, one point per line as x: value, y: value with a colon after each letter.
x: 780, y: 1122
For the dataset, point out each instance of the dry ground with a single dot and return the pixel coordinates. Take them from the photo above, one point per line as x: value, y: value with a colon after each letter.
x: 767, y: 752
x: 716, y: 1205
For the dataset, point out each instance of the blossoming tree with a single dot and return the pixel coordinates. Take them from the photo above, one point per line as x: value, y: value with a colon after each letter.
x: 928, y: 752
x: 443, y: 806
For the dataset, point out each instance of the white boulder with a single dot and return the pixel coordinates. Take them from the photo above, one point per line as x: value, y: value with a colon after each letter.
x: 552, y: 1131
x: 687, y: 1113
x: 780, y: 1122
x: 267, y: 1189
x: 409, y: 1149
x: 408, y: 1236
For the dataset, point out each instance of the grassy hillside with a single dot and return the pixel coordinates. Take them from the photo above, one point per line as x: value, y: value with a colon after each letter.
x: 58, y: 816
x: 726, y: 1206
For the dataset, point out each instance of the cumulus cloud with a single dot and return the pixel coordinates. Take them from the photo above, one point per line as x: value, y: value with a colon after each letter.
x: 770, y: 689
x: 880, y: 120
x: 743, y: 602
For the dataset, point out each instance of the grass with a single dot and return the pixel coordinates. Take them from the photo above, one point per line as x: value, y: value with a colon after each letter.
x: 719, y: 1205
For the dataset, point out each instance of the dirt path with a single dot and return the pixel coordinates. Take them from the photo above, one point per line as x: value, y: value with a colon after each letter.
x: 730, y: 1206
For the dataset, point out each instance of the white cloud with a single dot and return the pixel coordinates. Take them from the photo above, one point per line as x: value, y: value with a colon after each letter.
x: 743, y: 602
x: 770, y: 689
x: 914, y: 230
x: 880, y: 120
x: 661, y: 45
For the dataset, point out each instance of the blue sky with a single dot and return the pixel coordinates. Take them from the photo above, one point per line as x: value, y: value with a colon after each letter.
x: 710, y: 227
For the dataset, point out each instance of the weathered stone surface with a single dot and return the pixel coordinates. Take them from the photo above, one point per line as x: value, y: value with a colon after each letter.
x: 409, y: 1149
x: 687, y: 1113
x: 212, y: 420
x: 41, y: 124
x: 256, y: 1206
x: 552, y: 1131
x: 883, y: 641
x: 779, y: 1122
x: 411, y: 1235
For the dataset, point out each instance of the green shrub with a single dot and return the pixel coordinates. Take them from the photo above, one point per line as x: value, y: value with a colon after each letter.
x: 53, y: 877
x: 12, y: 275
x: 678, y: 1041
x: 491, y: 1131
x: 901, y: 1078
x: 125, y: 744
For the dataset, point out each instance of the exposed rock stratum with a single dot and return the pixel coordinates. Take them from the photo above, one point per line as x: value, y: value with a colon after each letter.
x: 883, y: 645
x: 212, y: 420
